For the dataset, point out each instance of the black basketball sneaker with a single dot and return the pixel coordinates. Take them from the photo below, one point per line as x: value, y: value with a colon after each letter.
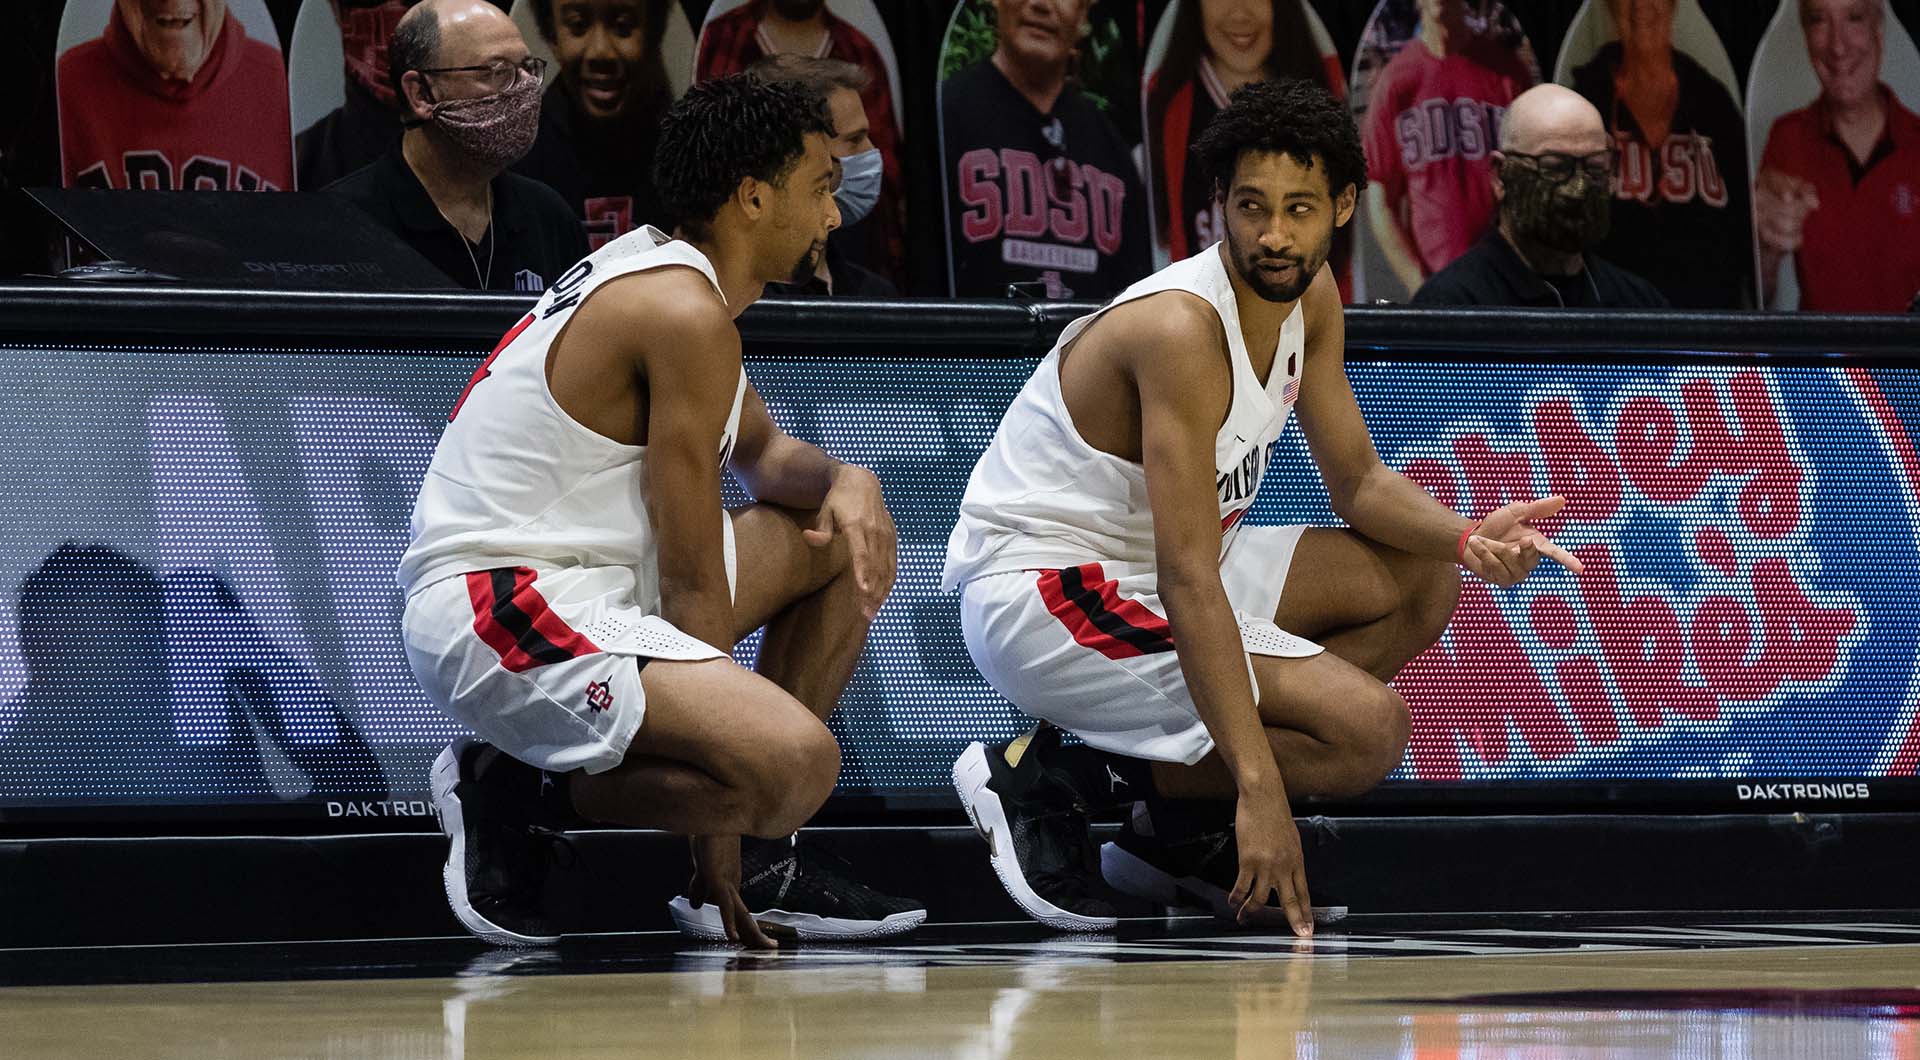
x: 798, y: 885
x: 1194, y: 868
x: 502, y: 843
x: 1035, y: 823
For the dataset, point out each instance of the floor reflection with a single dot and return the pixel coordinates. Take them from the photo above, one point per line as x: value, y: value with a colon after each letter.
x: 1053, y: 998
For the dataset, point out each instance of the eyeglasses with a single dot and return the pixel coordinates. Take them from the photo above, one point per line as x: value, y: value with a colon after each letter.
x: 1559, y: 167
x: 498, y: 75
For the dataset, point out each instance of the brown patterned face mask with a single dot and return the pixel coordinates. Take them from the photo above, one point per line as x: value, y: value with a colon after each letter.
x: 494, y: 131
x: 1569, y: 216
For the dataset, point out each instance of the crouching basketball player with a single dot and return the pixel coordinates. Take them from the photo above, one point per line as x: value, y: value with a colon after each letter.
x: 1213, y: 670
x: 574, y: 586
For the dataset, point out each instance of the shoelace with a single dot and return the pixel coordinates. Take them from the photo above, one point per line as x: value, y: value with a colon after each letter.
x: 528, y: 851
x: 820, y: 858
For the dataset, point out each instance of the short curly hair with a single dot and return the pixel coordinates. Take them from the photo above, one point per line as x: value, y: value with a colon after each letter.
x: 1296, y: 117
x: 725, y: 130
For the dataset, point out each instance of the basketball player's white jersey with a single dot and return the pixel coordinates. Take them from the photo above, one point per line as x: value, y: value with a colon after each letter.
x: 1042, y: 497
x: 516, y: 481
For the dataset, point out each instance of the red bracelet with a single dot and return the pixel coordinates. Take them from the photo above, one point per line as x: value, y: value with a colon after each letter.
x: 1460, y: 546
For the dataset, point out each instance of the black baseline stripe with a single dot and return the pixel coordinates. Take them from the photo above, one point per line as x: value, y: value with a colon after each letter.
x: 1089, y: 602
x: 517, y: 622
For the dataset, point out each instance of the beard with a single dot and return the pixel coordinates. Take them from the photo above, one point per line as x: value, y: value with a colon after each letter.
x: 808, y: 264
x: 1286, y: 286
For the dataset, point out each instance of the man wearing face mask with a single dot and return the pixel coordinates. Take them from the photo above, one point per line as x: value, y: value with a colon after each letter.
x: 838, y: 83
x: 469, y: 100
x: 175, y: 95
x: 363, y: 127
x: 1552, y: 183
x: 736, y: 39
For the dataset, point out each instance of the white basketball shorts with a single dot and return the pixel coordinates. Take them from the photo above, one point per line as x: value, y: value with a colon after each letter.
x: 542, y: 663
x: 1088, y: 648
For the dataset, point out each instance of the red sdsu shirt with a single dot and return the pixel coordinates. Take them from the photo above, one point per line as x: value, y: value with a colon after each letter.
x: 1432, y: 122
x: 123, y: 126
x: 1860, y: 251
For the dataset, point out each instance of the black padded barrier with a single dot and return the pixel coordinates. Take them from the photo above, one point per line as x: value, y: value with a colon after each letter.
x: 150, y: 314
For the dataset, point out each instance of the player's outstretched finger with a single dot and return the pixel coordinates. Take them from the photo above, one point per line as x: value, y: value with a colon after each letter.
x: 1543, y: 508
x: 1561, y: 556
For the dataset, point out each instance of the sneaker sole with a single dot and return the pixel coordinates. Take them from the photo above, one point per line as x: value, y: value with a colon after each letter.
x: 1134, y: 875
x: 970, y: 775
x: 453, y: 875
x: 705, y: 923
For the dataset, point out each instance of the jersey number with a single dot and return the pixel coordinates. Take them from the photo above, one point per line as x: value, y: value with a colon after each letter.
x: 486, y: 366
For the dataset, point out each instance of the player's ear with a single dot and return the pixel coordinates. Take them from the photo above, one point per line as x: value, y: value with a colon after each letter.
x: 1343, y: 204
x: 751, y: 196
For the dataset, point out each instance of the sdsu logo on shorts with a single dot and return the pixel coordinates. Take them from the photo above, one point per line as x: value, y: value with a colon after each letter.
x: 1749, y: 537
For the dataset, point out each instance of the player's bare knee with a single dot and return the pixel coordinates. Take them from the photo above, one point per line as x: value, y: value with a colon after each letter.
x: 1393, y: 727
x: 1376, y: 742
x: 795, y: 780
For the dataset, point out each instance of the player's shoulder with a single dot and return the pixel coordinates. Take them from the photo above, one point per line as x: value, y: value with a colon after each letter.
x: 671, y: 303
x: 1176, y: 330
x: 1164, y: 316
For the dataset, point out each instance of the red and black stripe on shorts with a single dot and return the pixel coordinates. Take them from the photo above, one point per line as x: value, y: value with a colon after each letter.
x: 515, y: 620
x: 1091, y: 608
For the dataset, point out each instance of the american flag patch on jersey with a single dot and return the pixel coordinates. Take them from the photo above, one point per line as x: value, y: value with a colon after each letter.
x: 1291, y: 392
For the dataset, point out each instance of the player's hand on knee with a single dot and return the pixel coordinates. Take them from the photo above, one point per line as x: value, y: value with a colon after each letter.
x: 1505, y: 546
x: 1271, y: 864
x: 855, y: 509
x: 716, y: 879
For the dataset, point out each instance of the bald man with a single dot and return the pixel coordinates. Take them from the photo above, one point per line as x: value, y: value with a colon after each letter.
x: 469, y: 101
x: 1552, y: 181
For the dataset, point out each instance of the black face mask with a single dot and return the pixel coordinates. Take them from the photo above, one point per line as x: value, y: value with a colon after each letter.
x: 1566, y: 217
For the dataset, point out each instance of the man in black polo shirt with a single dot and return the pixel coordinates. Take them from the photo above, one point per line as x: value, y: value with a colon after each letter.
x: 470, y: 103
x: 1552, y: 181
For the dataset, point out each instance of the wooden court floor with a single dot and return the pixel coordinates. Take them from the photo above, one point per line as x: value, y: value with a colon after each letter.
x: 1544, y: 988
